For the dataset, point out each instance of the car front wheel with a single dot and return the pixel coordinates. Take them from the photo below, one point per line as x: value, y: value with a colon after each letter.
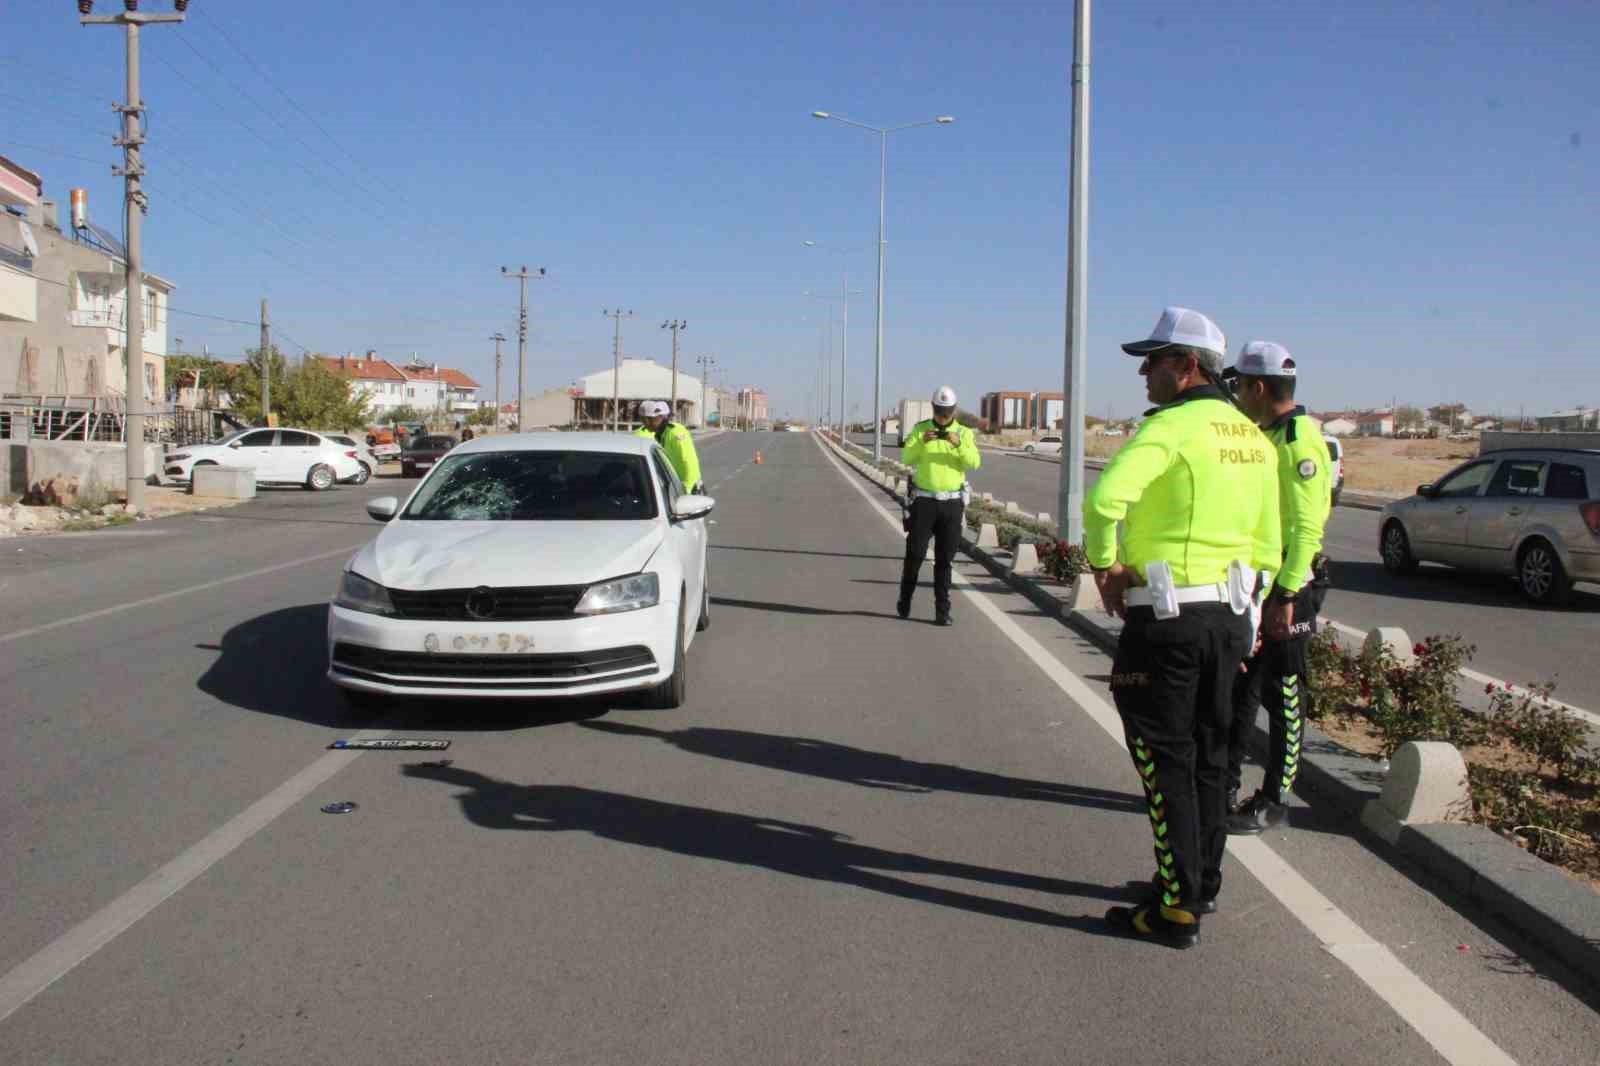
x: 321, y: 478
x: 1540, y: 575
x: 670, y: 694
x: 1396, y: 550
x: 1028, y: 448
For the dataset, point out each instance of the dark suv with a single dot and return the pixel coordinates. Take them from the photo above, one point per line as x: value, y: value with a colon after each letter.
x: 422, y: 452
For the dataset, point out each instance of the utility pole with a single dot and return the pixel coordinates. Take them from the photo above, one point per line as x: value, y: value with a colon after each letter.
x: 706, y: 364
x: 522, y: 340
x: 1070, y: 496
x: 266, y: 365
x: 499, y: 339
x: 676, y: 327
x: 134, y: 205
x: 616, y: 363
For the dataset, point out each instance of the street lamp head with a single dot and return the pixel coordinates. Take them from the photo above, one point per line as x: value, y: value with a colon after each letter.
x: 85, y: 6
x: 820, y: 114
x: 180, y: 5
x: 945, y: 120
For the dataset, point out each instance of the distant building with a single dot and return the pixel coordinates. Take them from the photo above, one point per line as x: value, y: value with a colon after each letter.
x: 1375, y: 424
x: 1022, y: 410
x: 1341, y: 426
x: 1574, y: 421
x: 633, y: 381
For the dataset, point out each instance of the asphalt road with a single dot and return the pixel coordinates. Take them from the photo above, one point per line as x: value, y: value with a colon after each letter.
x: 862, y: 840
x: 1515, y: 640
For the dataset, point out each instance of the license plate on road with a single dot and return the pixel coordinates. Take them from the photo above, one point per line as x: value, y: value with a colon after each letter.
x: 480, y: 643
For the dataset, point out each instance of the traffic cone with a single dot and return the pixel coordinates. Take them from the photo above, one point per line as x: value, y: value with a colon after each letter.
x: 758, y: 458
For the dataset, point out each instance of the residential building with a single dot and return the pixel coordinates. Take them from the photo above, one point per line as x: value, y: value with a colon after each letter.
x: 445, y: 390
x: 1049, y: 410
x: 634, y: 380
x: 379, y: 380
x: 1341, y: 425
x: 1006, y: 410
x: 1574, y: 421
x: 753, y: 406
x: 62, y: 299
x: 1375, y: 424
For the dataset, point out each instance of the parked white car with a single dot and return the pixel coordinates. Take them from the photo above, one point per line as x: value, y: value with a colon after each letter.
x: 364, y: 455
x: 1049, y: 444
x: 547, y: 565
x: 1336, y: 453
x: 278, y: 456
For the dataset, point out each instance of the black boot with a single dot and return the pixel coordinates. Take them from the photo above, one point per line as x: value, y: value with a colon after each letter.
x: 1172, y: 926
x: 942, y: 617
x: 1207, y: 904
x: 1258, y: 815
x: 903, y: 608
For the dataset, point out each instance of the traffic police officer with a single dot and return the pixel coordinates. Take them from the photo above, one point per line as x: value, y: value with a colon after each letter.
x: 1196, y: 493
x: 675, y: 439
x: 942, y: 451
x: 1276, y: 676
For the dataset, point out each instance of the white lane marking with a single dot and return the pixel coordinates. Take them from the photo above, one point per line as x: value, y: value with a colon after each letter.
x: 1434, y: 1019
x: 56, y: 959
x: 89, y: 616
x: 1483, y: 679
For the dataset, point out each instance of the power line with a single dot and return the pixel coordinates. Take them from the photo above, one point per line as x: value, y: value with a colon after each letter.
x: 222, y: 30
x: 110, y: 300
x: 56, y: 152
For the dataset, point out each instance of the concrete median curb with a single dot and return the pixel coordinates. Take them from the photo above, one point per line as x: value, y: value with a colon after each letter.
x: 1496, y: 875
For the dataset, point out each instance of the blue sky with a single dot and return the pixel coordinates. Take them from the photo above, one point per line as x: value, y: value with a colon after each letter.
x: 1408, y: 196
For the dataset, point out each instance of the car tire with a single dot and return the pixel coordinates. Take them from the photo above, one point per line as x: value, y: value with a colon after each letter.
x: 363, y: 477
x: 1338, y: 491
x: 670, y: 694
x: 1395, y: 548
x: 1028, y: 448
x: 407, y: 470
x: 1540, y: 576
x: 320, y: 478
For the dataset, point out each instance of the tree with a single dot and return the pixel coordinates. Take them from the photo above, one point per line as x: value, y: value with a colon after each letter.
x: 483, y: 416
x: 406, y: 413
x: 1407, y: 417
x: 317, y: 398
x: 246, y: 384
x: 968, y: 419
x: 211, y: 376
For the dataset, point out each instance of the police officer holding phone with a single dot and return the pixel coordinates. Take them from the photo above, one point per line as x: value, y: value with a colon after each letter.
x: 942, y: 451
x: 1264, y: 384
x: 1196, y: 493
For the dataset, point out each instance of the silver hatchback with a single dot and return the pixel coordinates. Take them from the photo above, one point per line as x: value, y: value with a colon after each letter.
x: 1530, y: 513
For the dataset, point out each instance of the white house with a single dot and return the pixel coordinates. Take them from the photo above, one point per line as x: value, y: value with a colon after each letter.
x: 1340, y: 427
x: 429, y: 388
x: 1376, y: 423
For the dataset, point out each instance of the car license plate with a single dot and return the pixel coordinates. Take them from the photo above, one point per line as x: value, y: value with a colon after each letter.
x: 481, y: 643
x: 423, y: 466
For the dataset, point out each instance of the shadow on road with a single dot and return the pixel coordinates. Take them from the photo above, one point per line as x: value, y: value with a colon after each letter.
x: 784, y: 847
x: 869, y: 769
x: 797, y: 551
x: 793, y: 608
x: 276, y: 664
x: 1442, y: 584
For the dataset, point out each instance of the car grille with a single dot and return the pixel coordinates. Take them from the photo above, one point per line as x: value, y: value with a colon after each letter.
x: 510, y: 605
x: 556, y: 669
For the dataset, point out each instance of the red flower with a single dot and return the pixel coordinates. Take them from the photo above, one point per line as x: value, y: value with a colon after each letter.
x: 1420, y: 649
x: 1488, y: 688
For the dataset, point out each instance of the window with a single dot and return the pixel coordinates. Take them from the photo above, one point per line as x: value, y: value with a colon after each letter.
x: 1465, y: 482
x: 536, y: 486
x: 1516, y: 477
x: 150, y: 307
x: 261, y: 438
x: 292, y: 438
x: 1566, y: 482
x: 671, y: 487
x: 410, y: 392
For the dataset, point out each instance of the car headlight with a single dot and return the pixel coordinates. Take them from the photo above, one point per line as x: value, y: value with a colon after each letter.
x: 356, y: 593
x: 180, y: 457
x: 624, y: 594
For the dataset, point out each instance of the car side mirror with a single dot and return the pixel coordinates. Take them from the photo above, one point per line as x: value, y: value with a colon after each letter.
x: 383, y: 509
x: 1427, y: 491
x: 685, y: 508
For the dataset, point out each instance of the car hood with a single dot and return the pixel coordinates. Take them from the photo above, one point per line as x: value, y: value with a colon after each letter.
x: 443, y: 555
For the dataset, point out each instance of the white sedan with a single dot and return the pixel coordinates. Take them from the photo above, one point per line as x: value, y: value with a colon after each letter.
x: 1050, y: 444
x: 534, y: 565
x: 281, y: 456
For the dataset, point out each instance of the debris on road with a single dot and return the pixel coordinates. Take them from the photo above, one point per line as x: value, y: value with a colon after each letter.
x: 390, y: 744
x: 342, y: 807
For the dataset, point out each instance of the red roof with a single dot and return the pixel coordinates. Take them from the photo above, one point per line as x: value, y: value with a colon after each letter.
x: 362, y: 368
x: 445, y: 374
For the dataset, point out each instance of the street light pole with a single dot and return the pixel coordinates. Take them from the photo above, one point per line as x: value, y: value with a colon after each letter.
x: 522, y: 276
x: 676, y: 327
x: 616, y: 363
x: 134, y: 205
x: 883, y: 181
x: 499, y: 339
x: 706, y: 364
x: 1069, y: 500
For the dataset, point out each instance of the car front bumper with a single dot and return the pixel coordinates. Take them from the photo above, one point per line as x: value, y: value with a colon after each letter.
x: 545, y: 659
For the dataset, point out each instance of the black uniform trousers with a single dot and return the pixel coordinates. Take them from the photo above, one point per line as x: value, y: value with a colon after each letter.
x: 1276, y: 678
x: 939, y: 521
x: 1172, y: 681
